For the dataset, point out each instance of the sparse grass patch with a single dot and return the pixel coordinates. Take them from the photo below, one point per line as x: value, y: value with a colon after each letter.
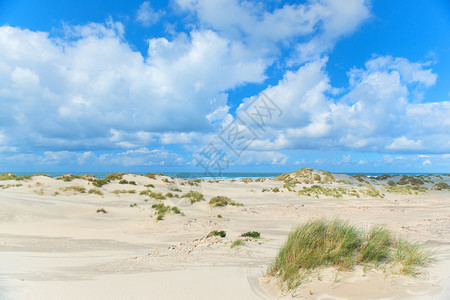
x: 124, y: 192
x: 223, y: 201
x: 322, y: 243
x: 133, y: 204
x: 252, y: 234
x: 75, y: 189
x: 96, y: 192
x: 162, y: 210
x: 220, y: 233
x: 246, y: 180
x: 237, y: 242
x: 194, y: 196
x: 441, y: 186
x: 149, y: 186
x: 176, y: 190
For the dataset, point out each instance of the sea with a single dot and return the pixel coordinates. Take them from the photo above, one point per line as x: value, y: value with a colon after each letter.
x: 206, y: 176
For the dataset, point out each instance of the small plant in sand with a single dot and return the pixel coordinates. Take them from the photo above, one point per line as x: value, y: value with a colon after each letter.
x: 276, y: 189
x: 101, y: 210
x: 149, y: 186
x: 223, y: 201
x: 175, y: 190
x: 75, y: 189
x: 237, y: 242
x: 322, y: 243
x: 96, y: 192
x: 252, y: 234
x: 124, y: 192
x: 219, y: 216
x: 265, y: 190
x: 150, y: 175
x: 220, y: 233
x: 246, y: 180
x: 194, y: 196
x: 133, y: 204
x: 162, y: 210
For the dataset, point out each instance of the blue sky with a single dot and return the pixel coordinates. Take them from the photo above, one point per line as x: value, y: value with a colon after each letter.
x: 359, y: 86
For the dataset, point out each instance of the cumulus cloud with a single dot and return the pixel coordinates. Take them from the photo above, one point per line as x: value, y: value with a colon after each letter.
x: 377, y: 113
x: 146, y: 15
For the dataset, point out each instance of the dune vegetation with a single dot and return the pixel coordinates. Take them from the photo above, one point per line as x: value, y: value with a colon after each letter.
x: 321, y: 243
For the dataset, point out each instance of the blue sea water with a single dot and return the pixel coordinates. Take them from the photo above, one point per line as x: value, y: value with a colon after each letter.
x: 202, y: 175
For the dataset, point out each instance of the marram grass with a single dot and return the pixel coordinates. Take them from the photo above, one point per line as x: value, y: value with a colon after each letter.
x: 323, y: 243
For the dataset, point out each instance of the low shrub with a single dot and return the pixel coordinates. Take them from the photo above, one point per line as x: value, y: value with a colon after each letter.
x: 252, y: 234
x: 101, y: 210
x: 220, y: 233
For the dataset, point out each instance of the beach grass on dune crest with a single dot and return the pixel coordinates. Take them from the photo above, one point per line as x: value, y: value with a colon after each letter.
x: 335, y: 243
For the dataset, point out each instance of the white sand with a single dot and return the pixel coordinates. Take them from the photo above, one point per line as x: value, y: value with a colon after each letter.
x: 58, y: 247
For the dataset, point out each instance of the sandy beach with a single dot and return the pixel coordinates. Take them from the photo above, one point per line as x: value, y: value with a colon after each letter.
x: 57, y: 243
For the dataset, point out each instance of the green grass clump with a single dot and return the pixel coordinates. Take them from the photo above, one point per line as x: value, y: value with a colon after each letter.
x: 76, y: 189
x: 162, y: 210
x: 406, y: 190
x: 69, y: 177
x: 149, y: 186
x: 441, y: 186
x: 220, y: 233
x: 124, y: 192
x: 151, y: 175
x: 322, y: 243
x: 101, y: 210
x: 96, y: 192
x: 223, y: 201
x: 410, y: 180
x: 237, y: 242
x: 252, y: 234
x: 7, y: 176
x: 133, y: 204
x: 176, y: 190
x: 194, y: 196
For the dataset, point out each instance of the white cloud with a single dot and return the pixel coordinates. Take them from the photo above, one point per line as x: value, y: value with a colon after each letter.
x: 146, y: 15
x: 403, y: 143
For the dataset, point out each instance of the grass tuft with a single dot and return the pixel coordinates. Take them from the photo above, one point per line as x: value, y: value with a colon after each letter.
x: 252, y: 234
x: 194, y: 196
x: 237, y: 242
x: 223, y: 201
x: 322, y: 243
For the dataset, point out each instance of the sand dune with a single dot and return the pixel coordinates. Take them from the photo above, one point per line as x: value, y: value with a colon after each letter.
x: 55, y: 245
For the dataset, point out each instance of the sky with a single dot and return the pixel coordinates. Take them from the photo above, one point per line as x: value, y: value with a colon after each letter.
x: 225, y: 85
